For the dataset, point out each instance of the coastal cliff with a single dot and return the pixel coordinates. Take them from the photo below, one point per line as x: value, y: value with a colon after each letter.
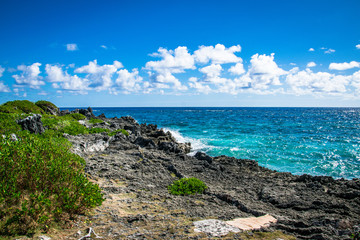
x: 135, y: 163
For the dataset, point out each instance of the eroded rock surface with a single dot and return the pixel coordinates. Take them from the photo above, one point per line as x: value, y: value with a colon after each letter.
x: 134, y: 172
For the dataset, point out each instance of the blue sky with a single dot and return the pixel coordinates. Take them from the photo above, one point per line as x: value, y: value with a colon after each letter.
x: 181, y: 53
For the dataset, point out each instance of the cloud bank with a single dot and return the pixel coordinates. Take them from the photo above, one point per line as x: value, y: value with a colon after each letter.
x: 206, y: 70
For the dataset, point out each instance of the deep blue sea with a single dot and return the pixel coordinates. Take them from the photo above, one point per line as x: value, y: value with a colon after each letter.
x: 316, y: 141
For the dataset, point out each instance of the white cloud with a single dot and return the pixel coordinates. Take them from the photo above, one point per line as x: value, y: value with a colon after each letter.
x: 308, y: 82
x: 329, y: 51
x: 65, y: 81
x: 3, y: 87
x: 311, y: 64
x: 72, y: 47
x: 218, y: 54
x: 212, y: 71
x: 2, y: 70
x: 104, y: 47
x: 199, y: 86
x: 163, y: 80
x: 173, y: 61
x: 355, y: 78
x: 311, y: 50
x: 128, y: 81
x: 358, y: 46
x: 29, y: 76
x: 264, y: 71
x: 99, y: 76
x: 344, y: 66
x: 237, y: 69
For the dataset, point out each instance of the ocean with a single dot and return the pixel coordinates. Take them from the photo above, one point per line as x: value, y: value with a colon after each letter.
x: 316, y: 141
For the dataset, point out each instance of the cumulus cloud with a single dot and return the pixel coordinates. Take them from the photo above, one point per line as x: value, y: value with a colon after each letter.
x: 3, y: 87
x: 358, y: 46
x: 264, y: 71
x: 162, y: 80
x: 237, y: 69
x: 311, y: 50
x: 99, y: 76
x: 308, y: 82
x: 65, y: 81
x: 344, y: 66
x: 72, y: 47
x: 218, y: 54
x: 355, y: 81
x: 29, y: 76
x: 103, y: 46
x: 127, y: 81
x: 173, y: 61
x: 199, y: 86
x: 311, y: 64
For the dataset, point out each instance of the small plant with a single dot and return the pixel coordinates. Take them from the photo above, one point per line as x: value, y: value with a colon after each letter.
x: 65, y: 124
x: 123, y: 131
x: 95, y: 120
x: 77, y: 116
x: 98, y: 130
x: 8, y: 123
x: 187, y: 186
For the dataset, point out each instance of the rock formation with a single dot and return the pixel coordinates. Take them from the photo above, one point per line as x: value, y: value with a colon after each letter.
x: 149, y: 159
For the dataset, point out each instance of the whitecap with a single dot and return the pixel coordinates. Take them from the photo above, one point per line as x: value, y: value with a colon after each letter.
x: 196, y: 144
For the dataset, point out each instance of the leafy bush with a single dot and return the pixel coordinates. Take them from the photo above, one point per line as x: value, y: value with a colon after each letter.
x: 77, y: 116
x: 41, y: 181
x: 95, y: 120
x: 46, y: 105
x: 123, y: 131
x: 187, y: 186
x: 20, y: 106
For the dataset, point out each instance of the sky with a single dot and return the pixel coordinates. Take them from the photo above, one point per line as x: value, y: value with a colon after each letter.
x: 259, y: 53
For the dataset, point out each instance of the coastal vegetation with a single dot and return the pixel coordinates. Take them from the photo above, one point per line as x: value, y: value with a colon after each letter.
x: 41, y: 182
x: 187, y: 186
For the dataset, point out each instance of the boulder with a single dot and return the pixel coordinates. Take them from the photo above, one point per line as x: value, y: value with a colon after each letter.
x: 203, y: 156
x: 32, y: 123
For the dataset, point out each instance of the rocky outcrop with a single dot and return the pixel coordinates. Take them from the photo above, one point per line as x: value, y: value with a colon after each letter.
x: 32, y: 123
x: 149, y: 159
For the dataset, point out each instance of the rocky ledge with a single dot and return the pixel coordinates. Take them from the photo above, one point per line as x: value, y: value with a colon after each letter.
x: 135, y: 170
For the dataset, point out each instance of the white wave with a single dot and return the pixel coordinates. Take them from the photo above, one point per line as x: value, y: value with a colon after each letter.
x: 196, y: 144
x: 234, y: 149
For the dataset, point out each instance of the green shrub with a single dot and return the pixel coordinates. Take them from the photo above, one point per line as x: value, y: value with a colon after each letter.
x: 77, y: 116
x: 187, y: 186
x: 98, y: 130
x: 41, y: 181
x: 95, y: 120
x: 20, y: 106
x: 8, y: 123
x: 64, y: 124
x: 46, y: 105
x: 123, y: 131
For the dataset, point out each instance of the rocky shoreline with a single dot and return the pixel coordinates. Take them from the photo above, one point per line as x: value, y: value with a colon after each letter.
x: 135, y: 170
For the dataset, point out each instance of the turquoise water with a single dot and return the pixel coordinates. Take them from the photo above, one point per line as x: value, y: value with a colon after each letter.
x: 316, y: 141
